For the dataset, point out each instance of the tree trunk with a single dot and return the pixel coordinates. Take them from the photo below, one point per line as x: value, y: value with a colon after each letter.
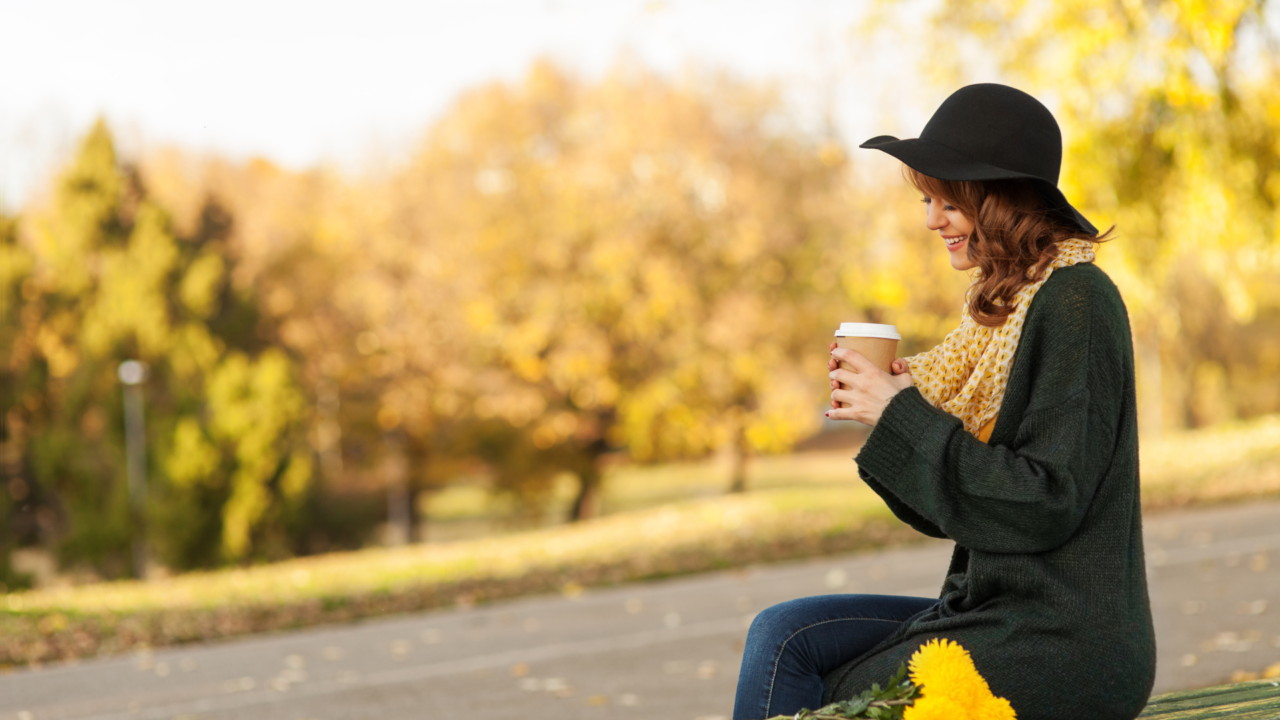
x: 740, y: 454
x: 399, y: 499
x: 329, y: 431
x: 417, y: 521
x: 587, y: 503
x: 1150, y: 385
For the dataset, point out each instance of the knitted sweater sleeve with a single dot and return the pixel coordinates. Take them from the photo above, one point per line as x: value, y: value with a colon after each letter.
x: 922, y: 368
x: 1027, y: 496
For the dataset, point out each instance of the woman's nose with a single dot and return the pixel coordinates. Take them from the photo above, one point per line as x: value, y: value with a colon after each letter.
x: 934, y: 218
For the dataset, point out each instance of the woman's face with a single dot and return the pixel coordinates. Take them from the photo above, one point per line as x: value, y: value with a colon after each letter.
x: 953, y: 227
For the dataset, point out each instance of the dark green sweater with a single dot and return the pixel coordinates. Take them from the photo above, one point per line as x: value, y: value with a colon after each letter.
x: 1047, y: 587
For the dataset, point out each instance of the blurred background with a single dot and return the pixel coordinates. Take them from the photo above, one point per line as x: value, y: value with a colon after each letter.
x: 392, y: 273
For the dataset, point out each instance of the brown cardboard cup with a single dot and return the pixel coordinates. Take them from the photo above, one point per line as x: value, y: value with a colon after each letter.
x: 877, y: 343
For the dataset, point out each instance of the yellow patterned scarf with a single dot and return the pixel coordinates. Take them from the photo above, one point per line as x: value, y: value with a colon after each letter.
x: 967, y: 373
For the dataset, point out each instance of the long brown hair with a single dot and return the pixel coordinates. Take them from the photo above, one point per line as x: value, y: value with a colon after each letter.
x: 1015, y: 237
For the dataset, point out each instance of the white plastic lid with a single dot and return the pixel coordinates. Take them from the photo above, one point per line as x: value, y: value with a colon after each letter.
x: 888, y: 332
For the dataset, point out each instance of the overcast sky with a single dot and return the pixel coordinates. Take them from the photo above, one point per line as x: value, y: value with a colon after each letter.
x: 302, y: 82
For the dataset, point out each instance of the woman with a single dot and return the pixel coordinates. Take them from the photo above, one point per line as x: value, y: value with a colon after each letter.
x: 1016, y: 438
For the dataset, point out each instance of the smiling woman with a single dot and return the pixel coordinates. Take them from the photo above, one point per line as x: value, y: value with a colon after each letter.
x: 951, y: 222
x: 1011, y: 239
x: 1016, y: 438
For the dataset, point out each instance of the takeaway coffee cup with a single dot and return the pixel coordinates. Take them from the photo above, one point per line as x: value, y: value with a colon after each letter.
x: 877, y: 343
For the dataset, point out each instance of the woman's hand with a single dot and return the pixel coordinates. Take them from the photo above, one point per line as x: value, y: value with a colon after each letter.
x: 866, y: 390
x: 899, y: 367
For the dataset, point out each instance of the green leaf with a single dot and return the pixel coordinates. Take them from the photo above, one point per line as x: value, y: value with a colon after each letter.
x: 898, y: 676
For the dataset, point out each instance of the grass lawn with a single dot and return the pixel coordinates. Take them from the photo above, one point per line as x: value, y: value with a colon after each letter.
x: 661, y: 521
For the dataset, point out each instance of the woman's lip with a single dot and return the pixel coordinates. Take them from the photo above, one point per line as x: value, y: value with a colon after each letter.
x: 956, y: 247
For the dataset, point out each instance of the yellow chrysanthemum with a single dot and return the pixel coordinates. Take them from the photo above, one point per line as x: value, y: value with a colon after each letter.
x: 942, y: 667
x: 946, y: 675
x: 996, y: 708
x: 936, y: 708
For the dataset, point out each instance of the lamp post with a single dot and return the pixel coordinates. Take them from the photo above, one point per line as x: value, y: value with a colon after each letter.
x: 132, y: 374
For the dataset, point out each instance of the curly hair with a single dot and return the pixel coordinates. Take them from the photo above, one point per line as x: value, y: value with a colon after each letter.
x: 1015, y: 237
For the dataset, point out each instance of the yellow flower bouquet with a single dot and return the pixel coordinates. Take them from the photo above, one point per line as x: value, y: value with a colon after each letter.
x: 944, y: 685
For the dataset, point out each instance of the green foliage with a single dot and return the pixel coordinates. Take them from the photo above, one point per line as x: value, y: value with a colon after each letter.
x: 887, y: 703
x: 107, y: 278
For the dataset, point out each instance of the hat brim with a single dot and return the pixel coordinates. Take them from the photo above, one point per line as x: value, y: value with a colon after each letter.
x: 939, y: 161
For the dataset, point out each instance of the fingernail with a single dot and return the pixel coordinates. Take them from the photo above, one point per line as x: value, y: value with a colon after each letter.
x: 828, y: 413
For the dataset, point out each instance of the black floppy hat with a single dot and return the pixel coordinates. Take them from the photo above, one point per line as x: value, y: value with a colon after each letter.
x: 990, y: 132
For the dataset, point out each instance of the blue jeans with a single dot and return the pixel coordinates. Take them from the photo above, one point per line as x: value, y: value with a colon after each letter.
x: 793, y: 644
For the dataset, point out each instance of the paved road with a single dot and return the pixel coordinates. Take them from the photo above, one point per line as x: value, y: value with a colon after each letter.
x: 666, y: 649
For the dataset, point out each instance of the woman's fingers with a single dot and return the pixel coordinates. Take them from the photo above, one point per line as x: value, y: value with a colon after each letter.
x: 840, y: 414
x: 839, y: 400
x: 844, y: 378
x: 854, y: 358
x: 865, y: 389
x: 845, y: 410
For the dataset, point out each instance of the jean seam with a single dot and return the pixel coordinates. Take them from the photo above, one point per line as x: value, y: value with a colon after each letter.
x: 774, y: 677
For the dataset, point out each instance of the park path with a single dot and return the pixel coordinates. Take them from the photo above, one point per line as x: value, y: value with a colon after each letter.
x: 666, y: 649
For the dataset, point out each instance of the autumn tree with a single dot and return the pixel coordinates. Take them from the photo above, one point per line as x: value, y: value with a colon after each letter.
x: 368, y: 305
x: 645, y: 259
x: 111, y: 280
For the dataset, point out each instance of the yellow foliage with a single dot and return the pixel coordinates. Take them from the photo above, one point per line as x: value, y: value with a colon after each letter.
x: 253, y: 404
x: 627, y: 248
x: 87, y: 195
x: 131, y: 299
x: 200, y: 285
x: 194, y: 353
x: 62, y: 359
x: 193, y: 458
